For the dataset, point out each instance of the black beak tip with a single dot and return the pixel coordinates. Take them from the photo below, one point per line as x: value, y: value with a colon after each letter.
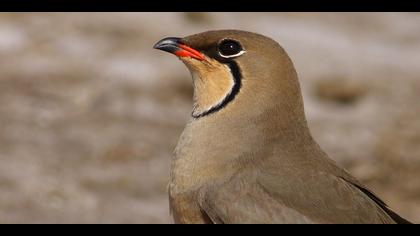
x: 168, y: 44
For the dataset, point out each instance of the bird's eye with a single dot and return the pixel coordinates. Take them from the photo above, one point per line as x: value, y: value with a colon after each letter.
x: 230, y: 48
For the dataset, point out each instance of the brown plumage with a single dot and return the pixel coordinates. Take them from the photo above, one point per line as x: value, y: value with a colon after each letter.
x: 247, y: 155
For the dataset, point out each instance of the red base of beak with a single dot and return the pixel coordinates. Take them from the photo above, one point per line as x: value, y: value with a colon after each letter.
x: 173, y: 45
x: 186, y: 51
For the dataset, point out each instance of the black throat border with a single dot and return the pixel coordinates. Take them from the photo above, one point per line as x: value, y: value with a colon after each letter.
x: 237, y: 77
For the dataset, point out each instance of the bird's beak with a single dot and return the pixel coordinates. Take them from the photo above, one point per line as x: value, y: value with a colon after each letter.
x: 174, y: 46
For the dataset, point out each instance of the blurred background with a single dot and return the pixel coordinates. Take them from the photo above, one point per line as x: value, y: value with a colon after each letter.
x: 90, y: 113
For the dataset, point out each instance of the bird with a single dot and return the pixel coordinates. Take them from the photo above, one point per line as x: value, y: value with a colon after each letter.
x: 246, y: 155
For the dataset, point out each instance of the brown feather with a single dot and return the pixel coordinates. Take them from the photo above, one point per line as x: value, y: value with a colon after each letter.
x: 254, y: 160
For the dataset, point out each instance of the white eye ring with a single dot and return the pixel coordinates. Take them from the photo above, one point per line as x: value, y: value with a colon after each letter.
x: 234, y: 55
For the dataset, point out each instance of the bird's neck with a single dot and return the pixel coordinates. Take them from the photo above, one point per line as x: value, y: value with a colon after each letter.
x: 221, y: 144
x: 265, y: 120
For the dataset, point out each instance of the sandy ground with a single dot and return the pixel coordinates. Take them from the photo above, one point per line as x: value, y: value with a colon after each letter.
x: 90, y: 113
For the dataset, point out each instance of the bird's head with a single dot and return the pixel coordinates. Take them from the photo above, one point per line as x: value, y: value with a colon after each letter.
x: 232, y: 66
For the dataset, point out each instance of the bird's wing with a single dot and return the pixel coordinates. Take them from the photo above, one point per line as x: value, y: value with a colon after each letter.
x: 239, y: 201
x: 320, y: 198
x: 398, y: 219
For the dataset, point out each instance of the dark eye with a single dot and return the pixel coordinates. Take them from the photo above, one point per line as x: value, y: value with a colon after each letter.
x: 229, y: 48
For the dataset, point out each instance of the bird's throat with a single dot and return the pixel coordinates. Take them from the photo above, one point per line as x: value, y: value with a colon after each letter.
x: 215, y: 85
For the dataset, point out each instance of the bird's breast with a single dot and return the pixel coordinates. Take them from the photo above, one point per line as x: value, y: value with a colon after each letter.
x: 184, y: 207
